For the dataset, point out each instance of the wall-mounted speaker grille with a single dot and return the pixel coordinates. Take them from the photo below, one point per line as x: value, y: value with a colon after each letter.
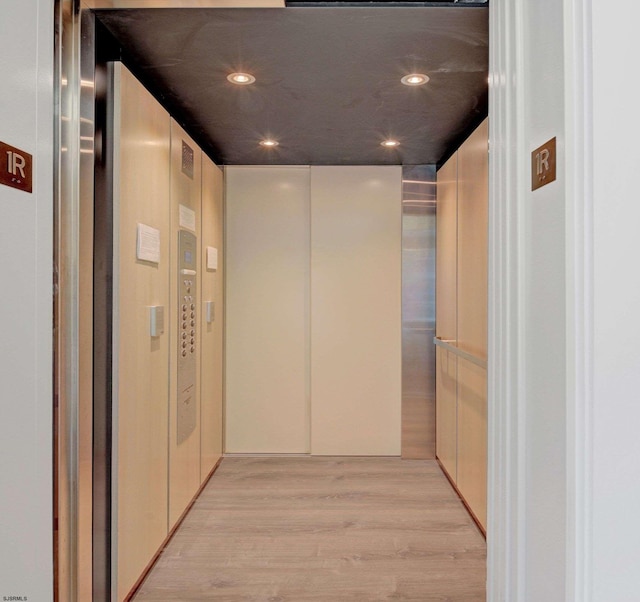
x: 187, y: 160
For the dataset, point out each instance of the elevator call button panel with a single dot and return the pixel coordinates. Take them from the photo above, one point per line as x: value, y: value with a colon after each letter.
x: 187, y: 339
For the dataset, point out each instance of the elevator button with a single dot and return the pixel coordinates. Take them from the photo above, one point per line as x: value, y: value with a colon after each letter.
x: 184, y: 335
x: 184, y: 316
x: 192, y: 348
x: 193, y: 306
x: 193, y: 322
x: 193, y: 314
x: 184, y: 344
x: 193, y: 332
x: 184, y: 325
x: 184, y: 353
x: 188, y: 290
x: 184, y: 307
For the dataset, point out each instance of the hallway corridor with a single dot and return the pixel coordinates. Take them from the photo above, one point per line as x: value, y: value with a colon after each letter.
x: 323, y: 529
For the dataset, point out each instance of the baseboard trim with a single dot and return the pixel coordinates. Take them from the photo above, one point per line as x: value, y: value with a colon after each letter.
x: 475, y: 519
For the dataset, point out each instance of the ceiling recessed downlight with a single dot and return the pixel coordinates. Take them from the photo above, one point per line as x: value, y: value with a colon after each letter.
x: 269, y: 143
x: 242, y: 79
x: 390, y: 143
x: 415, y: 79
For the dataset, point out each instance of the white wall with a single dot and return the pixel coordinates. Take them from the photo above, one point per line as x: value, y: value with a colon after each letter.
x: 26, y: 226
x: 616, y: 317
x: 564, y: 393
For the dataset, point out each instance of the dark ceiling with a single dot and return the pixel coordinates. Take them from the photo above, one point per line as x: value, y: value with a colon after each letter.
x: 327, y: 79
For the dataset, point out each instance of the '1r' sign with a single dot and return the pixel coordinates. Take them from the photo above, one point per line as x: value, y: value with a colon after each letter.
x: 16, y: 168
x: 543, y: 164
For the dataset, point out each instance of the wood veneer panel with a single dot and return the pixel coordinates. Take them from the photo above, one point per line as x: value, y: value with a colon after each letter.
x: 472, y: 437
x: 473, y: 203
x: 447, y: 250
x: 211, y: 335
x: 141, y: 380
x: 446, y: 411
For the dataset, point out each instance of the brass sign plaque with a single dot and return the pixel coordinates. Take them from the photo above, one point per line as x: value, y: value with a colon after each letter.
x: 16, y: 168
x: 543, y: 164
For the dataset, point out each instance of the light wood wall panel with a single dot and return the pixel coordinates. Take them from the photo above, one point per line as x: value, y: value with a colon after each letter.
x: 447, y: 250
x: 267, y: 372
x: 184, y: 457
x: 446, y: 313
x: 473, y: 195
x: 211, y: 334
x: 461, y: 312
x: 356, y: 310
x: 472, y: 437
x: 141, y: 363
x: 446, y: 410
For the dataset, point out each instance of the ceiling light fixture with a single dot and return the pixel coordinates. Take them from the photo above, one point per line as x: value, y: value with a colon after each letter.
x: 269, y: 143
x: 242, y: 79
x: 390, y: 143
x: 415, y: 79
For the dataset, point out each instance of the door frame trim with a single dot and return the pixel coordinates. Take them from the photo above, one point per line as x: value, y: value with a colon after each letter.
x: 508, y: 185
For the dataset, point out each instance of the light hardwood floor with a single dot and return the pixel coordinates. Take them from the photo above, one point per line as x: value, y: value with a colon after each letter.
x: 323, y: 529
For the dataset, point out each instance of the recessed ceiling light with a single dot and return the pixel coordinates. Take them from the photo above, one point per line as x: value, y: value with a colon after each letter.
x: 390, y: 143
x: 269, y: 143
x: 415, y: 79
x: 242, y: 79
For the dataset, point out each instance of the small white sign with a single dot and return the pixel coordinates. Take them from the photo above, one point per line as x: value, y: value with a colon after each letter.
x: 212, y: 258
x: 148, y: 244
x: 187, y: 218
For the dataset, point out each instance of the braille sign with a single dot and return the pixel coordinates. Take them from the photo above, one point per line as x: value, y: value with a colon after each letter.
x: 543, y: 164
x: 16, y: 168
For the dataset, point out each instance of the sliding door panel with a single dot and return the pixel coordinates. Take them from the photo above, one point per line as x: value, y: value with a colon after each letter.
x: 356, y: 242
x: 267, y: 342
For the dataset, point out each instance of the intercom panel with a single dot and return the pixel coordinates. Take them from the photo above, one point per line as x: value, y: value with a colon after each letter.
x: 187, y: 340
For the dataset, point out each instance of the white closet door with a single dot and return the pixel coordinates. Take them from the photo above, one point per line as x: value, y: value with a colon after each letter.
x: 356, y: 242
x: 267, y: 393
